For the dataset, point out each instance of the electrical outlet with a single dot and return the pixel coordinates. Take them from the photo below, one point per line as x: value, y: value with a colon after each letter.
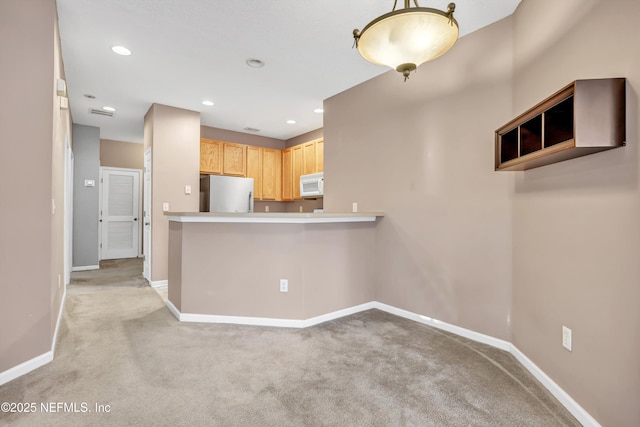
x: 354, y: 207
x: 165, y: 207
x: 566, y: 338
x: 284, y: 285
x: 187, y: 189
x: 266, y: 208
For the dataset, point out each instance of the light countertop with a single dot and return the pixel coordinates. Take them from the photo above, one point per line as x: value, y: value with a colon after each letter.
x: 275, y: 217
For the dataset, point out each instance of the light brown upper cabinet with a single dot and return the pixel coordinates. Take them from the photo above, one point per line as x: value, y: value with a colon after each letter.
x: 297, y: 162
x: 319, y: 155
x: 234, y: 159
x: 309, y: 156
x: 313, y: 153
x: 584, y: 117
x: 254, y: 169
x: 271, y: 181
x: 263, y: 165
x: 210, y: 156
x: 287, y: 174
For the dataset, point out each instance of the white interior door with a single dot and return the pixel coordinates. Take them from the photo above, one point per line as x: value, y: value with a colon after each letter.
x: 146, y: 216
x: 120, y: 213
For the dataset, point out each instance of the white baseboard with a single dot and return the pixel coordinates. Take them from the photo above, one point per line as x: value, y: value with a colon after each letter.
x: 25, y: 367
x: 338, y: 314
x: 158, y: 283
x: 266, y: 321
x: 305, y: 323
x: 571, y: 405
x: 467, y: 333
x: 172, y: 308
x: 85, y: 268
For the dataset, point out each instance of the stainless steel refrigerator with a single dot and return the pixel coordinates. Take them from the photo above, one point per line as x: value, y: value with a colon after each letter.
x: 226, y: 194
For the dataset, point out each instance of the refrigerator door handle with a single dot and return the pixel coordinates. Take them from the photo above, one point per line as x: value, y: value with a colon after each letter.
x: 250, y: 201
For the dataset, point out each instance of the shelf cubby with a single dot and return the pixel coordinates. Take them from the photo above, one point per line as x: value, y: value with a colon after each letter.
x: 582, y: 118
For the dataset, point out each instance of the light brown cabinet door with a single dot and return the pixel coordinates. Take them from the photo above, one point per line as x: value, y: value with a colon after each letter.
x: 297, y: 161
x: 210, y: 156
x: 270, y: 173
x: 287, y: 174
x: 320, y: 155
x: 309, y: 156
x: 234, y: 159
x: 254, y: 170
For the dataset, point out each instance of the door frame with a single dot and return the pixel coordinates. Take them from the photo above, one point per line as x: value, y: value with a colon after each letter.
x: 68, y: 210
x: 109, y: 168
x: 146, y: 214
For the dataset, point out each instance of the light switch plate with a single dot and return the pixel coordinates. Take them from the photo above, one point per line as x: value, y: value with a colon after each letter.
x: 89, y: 183
x: 566, y: 338
x: 61, y: 87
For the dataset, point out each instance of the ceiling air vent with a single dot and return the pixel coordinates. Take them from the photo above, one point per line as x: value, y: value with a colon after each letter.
x: 101, y: 112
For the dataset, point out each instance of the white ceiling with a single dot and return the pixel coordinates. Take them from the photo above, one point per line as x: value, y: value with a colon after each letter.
x: 187, y: 51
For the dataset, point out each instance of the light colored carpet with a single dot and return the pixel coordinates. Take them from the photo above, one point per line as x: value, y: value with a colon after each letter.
x: 120, y: 346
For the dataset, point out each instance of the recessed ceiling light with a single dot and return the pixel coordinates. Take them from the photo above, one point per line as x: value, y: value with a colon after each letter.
x: 207, y: 103
x: 318, y: 110
x: 121, y: 50
x: 108, y: 109
x: 254, y: 63
x: 291, y: 122
x: 88, y: 95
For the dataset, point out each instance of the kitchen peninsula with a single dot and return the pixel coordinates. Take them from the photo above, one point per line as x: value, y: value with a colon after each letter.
x: 228, y: 267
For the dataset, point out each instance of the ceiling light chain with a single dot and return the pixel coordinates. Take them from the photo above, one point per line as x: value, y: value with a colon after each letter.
x: 404, y: 39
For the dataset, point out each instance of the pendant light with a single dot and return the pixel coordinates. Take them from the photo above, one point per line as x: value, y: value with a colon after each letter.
x: 403, y: 39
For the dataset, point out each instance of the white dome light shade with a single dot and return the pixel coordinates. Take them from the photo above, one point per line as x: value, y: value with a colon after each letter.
x: 404, y: 39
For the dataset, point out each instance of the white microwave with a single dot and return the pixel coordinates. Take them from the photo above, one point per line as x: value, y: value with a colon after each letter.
x: 312, y: 185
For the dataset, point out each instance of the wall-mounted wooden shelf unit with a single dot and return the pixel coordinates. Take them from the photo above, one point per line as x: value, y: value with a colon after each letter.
x: 584, y: 117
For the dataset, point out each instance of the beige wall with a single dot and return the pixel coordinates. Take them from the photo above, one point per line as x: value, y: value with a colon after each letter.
x: 240, y: 138
x: 421, y: 151
x: 174, y: 137
x: 513, y: 255
x: 576, y: 225
x: 120, y: 154
x: 31, y: 180
x: 235, y: 269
